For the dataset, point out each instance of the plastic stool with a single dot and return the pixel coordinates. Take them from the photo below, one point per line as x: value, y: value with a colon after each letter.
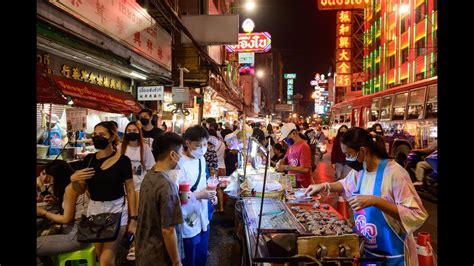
x: 87, y: 254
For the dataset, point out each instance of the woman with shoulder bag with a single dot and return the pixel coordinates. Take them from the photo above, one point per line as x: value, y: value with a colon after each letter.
x: 105, y: 174
x: 71, y: 209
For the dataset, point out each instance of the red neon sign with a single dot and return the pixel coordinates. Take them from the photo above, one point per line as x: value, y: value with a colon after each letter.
x: 342, y: 4
x: 257, y: 42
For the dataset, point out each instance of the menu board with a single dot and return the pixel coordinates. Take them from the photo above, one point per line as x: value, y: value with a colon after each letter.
x: 76, y: 119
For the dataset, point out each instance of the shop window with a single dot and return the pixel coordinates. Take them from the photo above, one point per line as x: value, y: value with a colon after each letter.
x: 405, y: 54
x: 420, y: 47
x: 386, y: 107
x: 399, y: 106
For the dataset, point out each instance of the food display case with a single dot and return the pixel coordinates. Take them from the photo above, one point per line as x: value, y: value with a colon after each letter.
x: 323, y: 234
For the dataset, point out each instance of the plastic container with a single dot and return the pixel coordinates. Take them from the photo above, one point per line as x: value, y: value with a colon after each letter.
x: 41, y: 151
x: 184, y: 190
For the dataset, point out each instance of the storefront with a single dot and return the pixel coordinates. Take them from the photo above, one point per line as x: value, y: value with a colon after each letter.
x: 71, y: 107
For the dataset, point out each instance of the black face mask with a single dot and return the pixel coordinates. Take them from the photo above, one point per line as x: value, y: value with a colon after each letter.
x: 144, y: 121
x: 356, y: 165
x: 100, y: 142
x: 132, y: 136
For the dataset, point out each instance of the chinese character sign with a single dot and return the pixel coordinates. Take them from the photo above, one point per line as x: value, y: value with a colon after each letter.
x: 343, y: 42
x: 343, y: 67
x: 344, y: 17
x: 343, y: 55
x: 343, y: 48
x: 343, y: 80
x: 125, y: 21
x: 343, y: 30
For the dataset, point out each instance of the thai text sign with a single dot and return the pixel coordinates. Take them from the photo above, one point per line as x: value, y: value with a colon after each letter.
x: 247, y: 58
x: 152, y: 93
x: 342, y: 4
x: 96, y: 97
x: 125, y: 21
x: 257, y: 42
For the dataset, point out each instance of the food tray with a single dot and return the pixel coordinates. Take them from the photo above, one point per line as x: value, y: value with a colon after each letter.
x: 321, y: 221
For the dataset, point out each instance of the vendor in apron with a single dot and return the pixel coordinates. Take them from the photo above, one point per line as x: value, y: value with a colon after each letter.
x: 55, y: 136
x: 387, y: 208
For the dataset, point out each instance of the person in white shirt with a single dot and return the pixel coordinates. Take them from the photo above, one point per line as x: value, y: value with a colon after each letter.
x: 135, y: 148
x: 196, y: 211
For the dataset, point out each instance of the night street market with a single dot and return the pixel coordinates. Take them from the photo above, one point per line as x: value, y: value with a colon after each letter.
x: 236, y: 132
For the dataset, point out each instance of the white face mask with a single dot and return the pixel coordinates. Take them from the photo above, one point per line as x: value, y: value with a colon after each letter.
x: 198, y: 153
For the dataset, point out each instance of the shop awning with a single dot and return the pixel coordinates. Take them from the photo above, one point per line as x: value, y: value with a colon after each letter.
x: 97, y: 97
x: 46, y: 91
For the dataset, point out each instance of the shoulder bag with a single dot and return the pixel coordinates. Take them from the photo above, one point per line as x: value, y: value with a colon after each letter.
x: 103, y: 227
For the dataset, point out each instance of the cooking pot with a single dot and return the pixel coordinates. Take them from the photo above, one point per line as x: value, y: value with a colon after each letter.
x: 41, y: 151
x: 68, y: 153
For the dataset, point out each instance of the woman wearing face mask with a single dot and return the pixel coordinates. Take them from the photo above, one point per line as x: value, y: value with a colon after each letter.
x: 387, y: 208
x: 298, y: 156
x: 193, y: 171
x: 338, y: 158
x: 378, y: 129
x: 105, y: 174
x: 139, y: 153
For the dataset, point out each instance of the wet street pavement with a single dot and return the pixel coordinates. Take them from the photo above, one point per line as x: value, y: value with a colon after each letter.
x: 225, y: 249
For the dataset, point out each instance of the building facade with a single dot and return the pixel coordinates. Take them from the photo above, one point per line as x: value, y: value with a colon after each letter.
x: 400, y: 43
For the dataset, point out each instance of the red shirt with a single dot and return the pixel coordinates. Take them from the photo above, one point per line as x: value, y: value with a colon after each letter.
x: 299, y: 154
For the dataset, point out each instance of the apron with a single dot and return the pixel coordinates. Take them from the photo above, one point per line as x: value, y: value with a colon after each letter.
x: 380, y: 239
x: 53, y: 138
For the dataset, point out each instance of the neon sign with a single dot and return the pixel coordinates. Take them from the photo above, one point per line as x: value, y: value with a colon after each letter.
x: 257, y: 42
x: 342, y: 4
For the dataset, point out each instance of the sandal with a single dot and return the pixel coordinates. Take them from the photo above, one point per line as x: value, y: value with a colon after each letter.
x: 131, y: 254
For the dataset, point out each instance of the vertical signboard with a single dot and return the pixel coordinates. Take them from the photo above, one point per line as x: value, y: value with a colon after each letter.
x: 343, y: 48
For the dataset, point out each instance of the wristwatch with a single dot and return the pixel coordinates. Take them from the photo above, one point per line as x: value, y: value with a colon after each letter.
x: 135, y: 217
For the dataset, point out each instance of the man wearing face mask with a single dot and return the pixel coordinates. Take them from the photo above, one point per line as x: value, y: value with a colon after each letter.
x: 159, y: 226
x: 193, y: 171
x: 298, y: 157
x: 150, y: 132
x: 387, y: 208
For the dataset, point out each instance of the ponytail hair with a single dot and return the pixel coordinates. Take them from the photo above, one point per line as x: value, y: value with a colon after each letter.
x: 357, y: 137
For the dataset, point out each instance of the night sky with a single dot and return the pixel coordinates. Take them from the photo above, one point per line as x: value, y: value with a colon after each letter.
x: 304, y: 35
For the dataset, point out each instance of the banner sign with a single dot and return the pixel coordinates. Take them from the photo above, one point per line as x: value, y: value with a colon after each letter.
x: 257, y: 42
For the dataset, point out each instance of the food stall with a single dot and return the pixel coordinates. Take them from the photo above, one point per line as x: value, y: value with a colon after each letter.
x: 77, y: 107
x: 293, y: 228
